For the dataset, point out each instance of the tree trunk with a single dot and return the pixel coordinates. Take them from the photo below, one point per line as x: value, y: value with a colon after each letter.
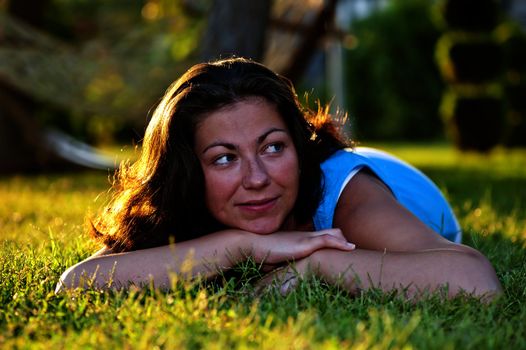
x: 236, y: 27
x: 301, y: 57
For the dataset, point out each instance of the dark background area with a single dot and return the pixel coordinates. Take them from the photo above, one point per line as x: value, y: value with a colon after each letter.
x: 401, y: 69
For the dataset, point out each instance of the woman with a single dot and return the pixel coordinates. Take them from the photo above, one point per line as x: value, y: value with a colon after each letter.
x: 232, y: 167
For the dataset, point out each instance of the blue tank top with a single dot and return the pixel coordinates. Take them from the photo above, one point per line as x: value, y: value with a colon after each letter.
x: 410, y: 187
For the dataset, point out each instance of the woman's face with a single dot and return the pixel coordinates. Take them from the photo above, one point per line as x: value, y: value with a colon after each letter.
x: 250, y: 166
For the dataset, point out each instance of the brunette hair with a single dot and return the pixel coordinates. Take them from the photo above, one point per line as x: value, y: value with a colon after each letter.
x: 160, y: 198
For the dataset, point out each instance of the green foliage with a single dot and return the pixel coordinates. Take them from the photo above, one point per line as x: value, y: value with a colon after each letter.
x: 95, y: 68
x: 475, y: 54
x: 394, y: 86
x: 471, y: 63
x: 41, y: 222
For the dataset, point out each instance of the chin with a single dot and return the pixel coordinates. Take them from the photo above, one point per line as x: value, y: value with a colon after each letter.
x: 262, y: 229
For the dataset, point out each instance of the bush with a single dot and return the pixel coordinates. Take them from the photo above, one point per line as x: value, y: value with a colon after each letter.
x: 471, y: 61
x: 470, y: 15
x: 473, y: 116
x: 464, y: 59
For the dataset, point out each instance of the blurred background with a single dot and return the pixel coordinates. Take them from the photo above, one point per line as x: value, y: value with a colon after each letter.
x: 79, y: 75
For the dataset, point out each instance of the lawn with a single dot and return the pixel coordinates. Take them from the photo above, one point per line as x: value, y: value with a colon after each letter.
x: 41, y: 233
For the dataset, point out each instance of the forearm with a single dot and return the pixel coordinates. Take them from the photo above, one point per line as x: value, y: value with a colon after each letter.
x: 204, y: 256
x: 411, y: 273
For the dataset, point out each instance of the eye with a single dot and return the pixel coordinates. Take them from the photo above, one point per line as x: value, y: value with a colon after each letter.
x: 224, y: 159
x: 275, y: 147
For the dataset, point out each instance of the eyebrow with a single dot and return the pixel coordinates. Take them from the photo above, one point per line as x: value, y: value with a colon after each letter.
x: 231, y: 146
x: 270, y: 131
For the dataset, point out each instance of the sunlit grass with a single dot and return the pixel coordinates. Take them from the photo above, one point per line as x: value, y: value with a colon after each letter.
x: 32, y: 208
x: 41, y: 233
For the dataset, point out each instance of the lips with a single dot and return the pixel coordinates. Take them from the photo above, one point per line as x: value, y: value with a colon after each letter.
x: 257, y: 206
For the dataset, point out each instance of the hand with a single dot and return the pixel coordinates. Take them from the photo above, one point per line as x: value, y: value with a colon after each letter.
x: 285, y: 278
x: 280, y: 246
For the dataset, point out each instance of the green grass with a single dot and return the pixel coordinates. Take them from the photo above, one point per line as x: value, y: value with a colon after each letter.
x: 41, y: 233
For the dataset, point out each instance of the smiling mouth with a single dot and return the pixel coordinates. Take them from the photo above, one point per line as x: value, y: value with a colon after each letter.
x: 258, y: 205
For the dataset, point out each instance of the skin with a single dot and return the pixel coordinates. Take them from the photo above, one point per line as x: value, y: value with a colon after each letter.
x: 250, y: 166
x: 394, y: 250
x: 251, y: 175
x: 251, y: 178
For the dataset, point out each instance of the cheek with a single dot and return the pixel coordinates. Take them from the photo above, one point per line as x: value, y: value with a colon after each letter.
x: 287, y: 175
x: 219, y: 189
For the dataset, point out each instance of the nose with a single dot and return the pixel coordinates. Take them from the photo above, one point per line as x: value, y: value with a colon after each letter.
x: 255, y: 175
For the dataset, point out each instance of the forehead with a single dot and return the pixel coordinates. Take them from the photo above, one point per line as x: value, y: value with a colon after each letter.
x: 243, y: 111
x: 243, y: 122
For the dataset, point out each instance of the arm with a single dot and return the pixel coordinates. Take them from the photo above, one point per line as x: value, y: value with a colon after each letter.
x: 395, y: 250
x: 204, y: 256
x: 412, y: 273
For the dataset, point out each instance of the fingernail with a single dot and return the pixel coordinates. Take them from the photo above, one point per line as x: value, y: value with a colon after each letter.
x: 352, y: 245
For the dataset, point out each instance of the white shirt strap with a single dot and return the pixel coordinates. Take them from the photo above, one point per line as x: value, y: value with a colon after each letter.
x: 348, y: 178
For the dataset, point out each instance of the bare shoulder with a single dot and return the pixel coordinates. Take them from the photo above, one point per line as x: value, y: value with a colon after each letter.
x: 371, y: 217
x: 364, y: 185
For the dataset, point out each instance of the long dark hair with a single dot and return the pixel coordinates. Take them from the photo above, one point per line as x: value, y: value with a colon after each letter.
x: 160, y: 198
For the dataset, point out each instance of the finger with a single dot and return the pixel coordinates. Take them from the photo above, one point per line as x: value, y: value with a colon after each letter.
x: 335, y: 232
x: 328, y: 241
x: 265, y: 268
x: 288, y: 285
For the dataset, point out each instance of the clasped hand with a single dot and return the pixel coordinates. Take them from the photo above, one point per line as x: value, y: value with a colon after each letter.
x: 285, y: 246
x: 279, y: 248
